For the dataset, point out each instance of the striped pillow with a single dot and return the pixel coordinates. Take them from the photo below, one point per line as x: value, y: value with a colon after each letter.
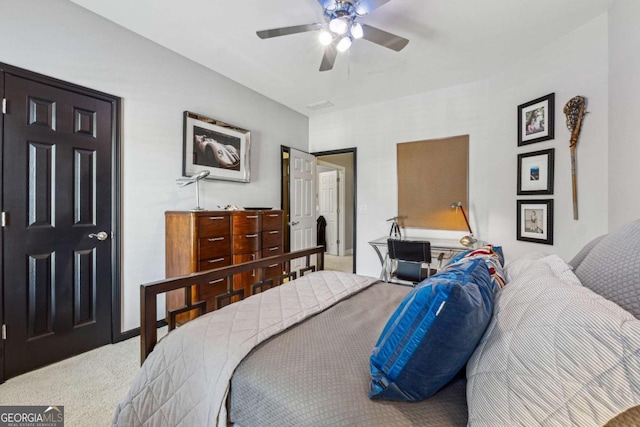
x: 555, y: 353
x: 494, y: 258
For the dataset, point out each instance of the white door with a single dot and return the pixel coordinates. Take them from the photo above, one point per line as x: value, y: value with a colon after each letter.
x: 328, y: 207
x: 302, y: 210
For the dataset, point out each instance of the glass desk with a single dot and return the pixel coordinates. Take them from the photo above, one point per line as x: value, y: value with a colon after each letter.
x: 448, y: 247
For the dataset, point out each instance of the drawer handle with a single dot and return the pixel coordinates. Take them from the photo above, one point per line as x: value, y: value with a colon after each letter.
x: 273, y: 232
x: 216, y: 239
x: 251, y: 236
x: 253, y: 258
x: 273, y: 265
x: 273, y: 215
x: 274, y: 249
x: 252, y: 216
x: 213, y: 282
x: 213, y: 218
x: 213, y: 261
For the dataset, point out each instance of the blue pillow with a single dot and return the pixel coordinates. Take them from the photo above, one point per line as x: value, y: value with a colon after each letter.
x: 432, y: 333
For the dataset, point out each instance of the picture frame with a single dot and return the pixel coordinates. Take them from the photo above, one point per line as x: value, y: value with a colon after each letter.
x: 535, y: 221
x: 536, y: 120
x: 535, y: 172
x: 217, y: 147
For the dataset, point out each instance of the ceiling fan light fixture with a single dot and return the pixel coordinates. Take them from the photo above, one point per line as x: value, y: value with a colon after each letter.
x: 331, y: 5
x: 356, y: 30
x: 344, y: 44
x: 338, y: 25
x: 340, y: 28
x: 325, y: 37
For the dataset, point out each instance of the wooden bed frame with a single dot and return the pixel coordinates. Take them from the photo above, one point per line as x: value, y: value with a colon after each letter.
x: 150, y: 291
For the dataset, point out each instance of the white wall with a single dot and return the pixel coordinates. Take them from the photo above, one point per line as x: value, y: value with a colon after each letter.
x: 60, y: 39
x: 576, y: 64
x: 624, y: 111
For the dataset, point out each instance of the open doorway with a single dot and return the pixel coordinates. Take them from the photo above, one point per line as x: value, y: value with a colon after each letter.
x: 331, y: 208
x: 340, y: 230
x: 341, y: 234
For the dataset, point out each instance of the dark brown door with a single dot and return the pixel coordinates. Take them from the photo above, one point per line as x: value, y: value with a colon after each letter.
x: 57, y: 196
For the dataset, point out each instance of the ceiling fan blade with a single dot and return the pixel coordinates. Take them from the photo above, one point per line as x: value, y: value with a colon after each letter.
x: 329, y: 57
x: 368, y: 6
x: 285, y: 31
x: 388, y: 40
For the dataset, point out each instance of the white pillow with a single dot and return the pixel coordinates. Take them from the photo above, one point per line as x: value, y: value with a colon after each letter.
x: 554, y: 354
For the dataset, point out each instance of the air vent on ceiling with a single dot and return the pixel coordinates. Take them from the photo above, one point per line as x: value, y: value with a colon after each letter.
x: 320, y: 105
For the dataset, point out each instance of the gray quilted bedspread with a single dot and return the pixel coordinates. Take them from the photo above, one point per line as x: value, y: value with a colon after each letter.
x: 184, y: 381
x: 317, y: 374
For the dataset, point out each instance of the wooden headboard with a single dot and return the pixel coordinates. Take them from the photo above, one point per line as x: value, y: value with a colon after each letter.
x: 150, y: 291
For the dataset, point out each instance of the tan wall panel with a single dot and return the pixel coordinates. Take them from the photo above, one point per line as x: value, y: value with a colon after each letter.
x: 432, y: 175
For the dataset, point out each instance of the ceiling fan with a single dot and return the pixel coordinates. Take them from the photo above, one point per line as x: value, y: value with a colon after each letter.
x: 342, y: 28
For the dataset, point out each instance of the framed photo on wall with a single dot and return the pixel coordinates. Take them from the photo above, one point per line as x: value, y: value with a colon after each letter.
x: 215, y: 146
x: 535, y: 172
x: 536, y: 120
x: 535, y: 221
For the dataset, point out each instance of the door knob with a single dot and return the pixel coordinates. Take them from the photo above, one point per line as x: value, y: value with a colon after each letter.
x: 294, y: 223
x: 102, y: 235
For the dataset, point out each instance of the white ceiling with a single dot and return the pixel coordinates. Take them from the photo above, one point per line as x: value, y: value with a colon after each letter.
x: 451, y: 42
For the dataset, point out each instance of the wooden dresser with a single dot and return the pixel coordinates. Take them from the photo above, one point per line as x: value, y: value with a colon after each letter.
x: 203, y: 240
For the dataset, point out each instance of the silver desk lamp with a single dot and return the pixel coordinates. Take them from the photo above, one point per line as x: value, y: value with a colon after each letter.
x: 465, y: 240
x: 183, y: 182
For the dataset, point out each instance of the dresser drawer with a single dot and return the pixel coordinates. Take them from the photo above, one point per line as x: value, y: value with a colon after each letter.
x: 246, y: 222
x: 210, y: 264
x: 272, y: 251
x: 213, y: 247
x: 273, y: 272
x: 213, y: 225
x: 209, y: 292
x: 272, y: 220
x: 213, y: 288
x: 271, y: 238
x: 246, y: 243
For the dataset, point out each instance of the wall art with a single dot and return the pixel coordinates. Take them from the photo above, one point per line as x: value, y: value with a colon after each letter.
x: 215, y: 146
x: 536, y: 120
x: 535, y: 172
x: 535, y: 221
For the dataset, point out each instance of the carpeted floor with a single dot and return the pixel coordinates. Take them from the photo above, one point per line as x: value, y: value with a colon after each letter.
x: 338, y: 263
x: 89, y: 385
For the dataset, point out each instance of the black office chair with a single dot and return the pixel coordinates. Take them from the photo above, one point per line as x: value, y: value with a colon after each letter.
x: 406, y: 260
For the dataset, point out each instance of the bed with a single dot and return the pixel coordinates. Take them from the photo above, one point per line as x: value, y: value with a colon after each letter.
x: 561, y: 347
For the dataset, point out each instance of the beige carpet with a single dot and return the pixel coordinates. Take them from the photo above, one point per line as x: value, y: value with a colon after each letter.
x: 89, y: 385
x: 338, y: 263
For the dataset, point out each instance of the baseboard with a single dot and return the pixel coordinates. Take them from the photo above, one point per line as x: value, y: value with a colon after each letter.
x: 135, y: 332
x: 348, y: 252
